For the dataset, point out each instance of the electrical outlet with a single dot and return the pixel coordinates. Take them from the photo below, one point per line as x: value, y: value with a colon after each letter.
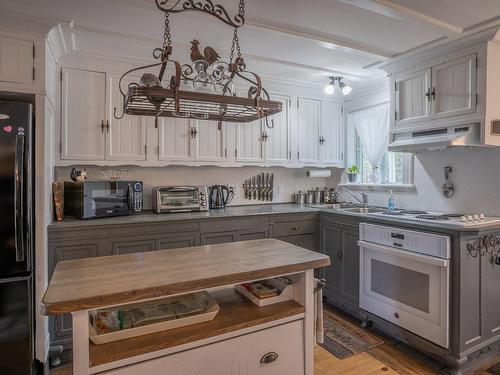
x: 280, y: 188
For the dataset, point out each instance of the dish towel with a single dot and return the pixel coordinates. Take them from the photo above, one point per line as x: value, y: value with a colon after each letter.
x: 318, y: 310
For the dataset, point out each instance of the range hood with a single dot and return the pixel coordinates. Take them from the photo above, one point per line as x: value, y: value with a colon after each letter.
x: 437, y: 139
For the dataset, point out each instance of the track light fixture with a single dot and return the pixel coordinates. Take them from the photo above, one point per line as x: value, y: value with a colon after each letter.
x: 337, y: 82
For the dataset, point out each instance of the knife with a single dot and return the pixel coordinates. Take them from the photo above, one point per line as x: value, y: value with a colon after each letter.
x: 271, y: 184
x: 263, y: 187
x: 254, y: 190
x: 245, y: 188
x: 259, y: 185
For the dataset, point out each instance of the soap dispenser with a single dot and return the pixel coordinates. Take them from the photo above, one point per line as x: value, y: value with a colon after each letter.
x: 390, y: 202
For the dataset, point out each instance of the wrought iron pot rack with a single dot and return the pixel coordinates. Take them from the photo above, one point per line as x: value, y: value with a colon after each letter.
x: 485, y: 245
x: 150, y: 98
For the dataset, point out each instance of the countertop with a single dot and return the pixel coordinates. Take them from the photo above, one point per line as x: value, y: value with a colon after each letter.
x: 90, y: 283
x: 260, y: 209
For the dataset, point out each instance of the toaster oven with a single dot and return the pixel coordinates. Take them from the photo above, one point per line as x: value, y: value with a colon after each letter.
x: 168, y: 199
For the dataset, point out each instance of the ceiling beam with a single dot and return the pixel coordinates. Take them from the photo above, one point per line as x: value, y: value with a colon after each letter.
x: 342, y: 43
x: 333, y: 40
x: 393, y: 10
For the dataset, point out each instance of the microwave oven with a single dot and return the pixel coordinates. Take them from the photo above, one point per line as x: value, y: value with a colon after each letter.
x: 93, y: 199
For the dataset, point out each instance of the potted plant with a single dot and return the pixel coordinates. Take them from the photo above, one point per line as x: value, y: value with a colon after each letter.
x: 352, y: 173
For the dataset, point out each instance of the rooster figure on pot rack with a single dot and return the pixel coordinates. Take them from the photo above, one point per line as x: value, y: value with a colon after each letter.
x: 210, y: 93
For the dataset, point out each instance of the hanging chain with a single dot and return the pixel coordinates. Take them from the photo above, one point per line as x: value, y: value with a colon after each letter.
x: 236, y: 41
x: 167, y: 40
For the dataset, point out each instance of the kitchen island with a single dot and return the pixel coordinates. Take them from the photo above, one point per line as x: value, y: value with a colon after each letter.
x: 242, y: 334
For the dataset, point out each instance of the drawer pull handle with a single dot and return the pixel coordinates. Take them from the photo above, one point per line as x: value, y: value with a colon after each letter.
x: 269, y: 357
x: 295, y: 228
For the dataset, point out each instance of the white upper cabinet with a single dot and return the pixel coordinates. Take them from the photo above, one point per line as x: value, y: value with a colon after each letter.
x: 443, y: 93
x: 83, y: 115
x: 277, y: 139
x: 209, y: 141
x: 249, y: 142
x: 258, y: 143
x: 16, y: 60
x: 332, y: 134
x: 125, y: 137
x: 175, y: 136
x: 454, y: 87
x: 413, y: 97
x: 308, y: 130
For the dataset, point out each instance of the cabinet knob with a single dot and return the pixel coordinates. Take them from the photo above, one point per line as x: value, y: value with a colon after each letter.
x: 103, y: 126
x: 339, y: 254
x: 295, y: 228
x: 269, y: 357
x: 396, y: 315
x: 107, y: 126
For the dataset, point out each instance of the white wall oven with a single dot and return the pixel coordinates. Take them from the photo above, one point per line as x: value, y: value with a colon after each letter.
x: 404, y: 279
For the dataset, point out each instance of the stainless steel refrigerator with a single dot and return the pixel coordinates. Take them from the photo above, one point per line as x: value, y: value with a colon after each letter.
x: 16, y: 239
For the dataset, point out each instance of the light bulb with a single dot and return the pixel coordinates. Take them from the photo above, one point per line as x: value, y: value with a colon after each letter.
x: 329, y: 89
x: 346, y: 90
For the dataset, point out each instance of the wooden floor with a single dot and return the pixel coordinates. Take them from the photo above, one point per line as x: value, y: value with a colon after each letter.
x: 387, y: 359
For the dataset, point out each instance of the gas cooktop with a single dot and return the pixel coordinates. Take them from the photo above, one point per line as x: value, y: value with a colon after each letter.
x: 459, y: 220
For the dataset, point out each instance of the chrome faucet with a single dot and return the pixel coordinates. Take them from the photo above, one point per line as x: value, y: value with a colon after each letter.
x: 364, y: 196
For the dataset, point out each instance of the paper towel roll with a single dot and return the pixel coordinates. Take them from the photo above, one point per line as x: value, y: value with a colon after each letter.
x: 319, y: 173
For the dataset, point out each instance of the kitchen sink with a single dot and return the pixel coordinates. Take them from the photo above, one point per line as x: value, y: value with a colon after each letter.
x: 363, y: 210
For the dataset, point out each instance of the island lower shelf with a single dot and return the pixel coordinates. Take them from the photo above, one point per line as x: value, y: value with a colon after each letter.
x: 236, y: 313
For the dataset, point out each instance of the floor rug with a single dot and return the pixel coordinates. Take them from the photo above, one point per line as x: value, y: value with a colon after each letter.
x: 495, y: 370
x: 344, y: 339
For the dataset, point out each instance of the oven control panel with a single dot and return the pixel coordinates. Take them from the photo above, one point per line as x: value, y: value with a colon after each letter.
x: 416, y: 241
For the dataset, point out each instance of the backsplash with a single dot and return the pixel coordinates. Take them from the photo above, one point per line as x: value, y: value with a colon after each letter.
x: 476, y: 175
x: 286, y: 181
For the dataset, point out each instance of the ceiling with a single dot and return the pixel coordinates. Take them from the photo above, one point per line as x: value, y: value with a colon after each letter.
x: 293, y: 40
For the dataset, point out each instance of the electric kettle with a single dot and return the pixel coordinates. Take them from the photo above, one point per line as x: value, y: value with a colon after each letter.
x: 220, y: 196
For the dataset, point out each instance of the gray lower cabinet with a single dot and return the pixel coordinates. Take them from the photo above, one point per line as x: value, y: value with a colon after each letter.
x: 218, y: 237
x: 60, y: 326
x: 340, y: 242
x: 133, y: 245
x: 178, y: 240
x: 298, y: 229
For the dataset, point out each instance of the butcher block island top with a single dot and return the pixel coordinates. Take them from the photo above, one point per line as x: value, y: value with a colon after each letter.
x: 92, y: 283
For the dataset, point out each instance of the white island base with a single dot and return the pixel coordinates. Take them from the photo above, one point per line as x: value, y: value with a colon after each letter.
x: 242, y: 339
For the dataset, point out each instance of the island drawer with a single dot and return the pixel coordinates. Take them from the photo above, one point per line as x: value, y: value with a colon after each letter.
x: 294, y: 228
x: 275, y: 350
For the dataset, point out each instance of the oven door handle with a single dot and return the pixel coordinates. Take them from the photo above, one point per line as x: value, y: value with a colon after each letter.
x: 405, y: 254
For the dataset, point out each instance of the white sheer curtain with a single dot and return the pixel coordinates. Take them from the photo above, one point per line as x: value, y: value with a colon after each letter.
x: 372, y: 126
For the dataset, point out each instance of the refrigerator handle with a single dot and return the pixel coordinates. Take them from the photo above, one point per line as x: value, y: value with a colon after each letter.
x: 19, y: 198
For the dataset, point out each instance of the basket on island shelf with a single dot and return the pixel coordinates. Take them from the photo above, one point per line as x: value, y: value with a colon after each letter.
x: 269, y: 291
x: 123, y: 322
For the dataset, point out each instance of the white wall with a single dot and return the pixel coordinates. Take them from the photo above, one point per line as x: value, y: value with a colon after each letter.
x: 476, y: 172
x: 291, y: 180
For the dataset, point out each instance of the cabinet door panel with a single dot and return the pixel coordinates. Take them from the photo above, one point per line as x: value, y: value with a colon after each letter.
x: 83, y: 110
x: 175, y: 241
x: 16, y: 60
x: 133, y: 246
x: 490, y: 273
x: 277, y: 143
x: 216, y: 238
x: 330, y: 245
x: 309, y: 122
x: 249, y: 142
x: 331, y: 131
x: 174, y: 139
x: 454, y: 83
x: 253, y: 234
x: 411, y: 101
x: 350, y: 265
x: 126, y: 138
x: 61, y: 325
x: 209, y: 141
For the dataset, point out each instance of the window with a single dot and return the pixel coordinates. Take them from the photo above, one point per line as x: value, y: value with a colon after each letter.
x: 395, y: 167
x: 368, y: 137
